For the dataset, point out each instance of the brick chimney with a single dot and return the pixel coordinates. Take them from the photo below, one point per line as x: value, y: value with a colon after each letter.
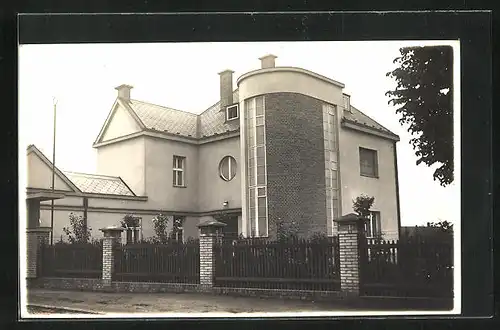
x: 226, y: 88
x: 267, y: 61
x: 124, y: 92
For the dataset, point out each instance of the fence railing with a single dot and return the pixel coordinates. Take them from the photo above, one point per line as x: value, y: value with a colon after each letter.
x: 297, y: 265
x: 70, y: 260
x: 162, y: 263
x: 410, y: 268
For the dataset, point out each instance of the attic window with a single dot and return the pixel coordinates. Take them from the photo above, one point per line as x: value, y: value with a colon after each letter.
x: 232, y: 112
x: 347, y: 102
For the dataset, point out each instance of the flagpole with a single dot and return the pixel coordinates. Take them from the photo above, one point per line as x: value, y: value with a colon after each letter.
x: 53, y: 175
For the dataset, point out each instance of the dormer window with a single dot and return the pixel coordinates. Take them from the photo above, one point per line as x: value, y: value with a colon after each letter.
x: 347, y: 102
x: 232, y: 112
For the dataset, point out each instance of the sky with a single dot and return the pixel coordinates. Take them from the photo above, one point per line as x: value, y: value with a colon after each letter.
x: 82, y: 78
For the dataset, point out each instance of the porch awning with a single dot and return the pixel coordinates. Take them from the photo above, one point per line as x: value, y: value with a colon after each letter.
x: 44, y: 196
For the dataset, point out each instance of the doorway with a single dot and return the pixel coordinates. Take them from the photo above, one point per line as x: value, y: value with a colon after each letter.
x: 231, y: 228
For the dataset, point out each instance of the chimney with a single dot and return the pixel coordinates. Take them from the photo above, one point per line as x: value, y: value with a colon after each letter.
x: 226, y: 88
x: 267, y: 61
x: 124, y: 92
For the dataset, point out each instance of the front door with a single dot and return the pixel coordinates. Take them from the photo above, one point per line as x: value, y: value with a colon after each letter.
x: 231, y: 228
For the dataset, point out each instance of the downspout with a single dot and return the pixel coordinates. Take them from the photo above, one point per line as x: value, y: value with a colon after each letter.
x: 397, y: 187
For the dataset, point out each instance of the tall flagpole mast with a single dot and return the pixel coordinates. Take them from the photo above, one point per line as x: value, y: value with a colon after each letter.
x: 53, y: 174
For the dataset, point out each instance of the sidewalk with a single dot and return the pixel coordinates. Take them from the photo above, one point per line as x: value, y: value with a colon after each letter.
x: 168, y: 302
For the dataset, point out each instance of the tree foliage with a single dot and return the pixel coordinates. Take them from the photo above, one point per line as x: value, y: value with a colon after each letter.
x: 444, y: 226
x: 160, y: 226
x: 130, y: 221
x: 423, y: 97
x: 77, y: 231
x: 362, y: 205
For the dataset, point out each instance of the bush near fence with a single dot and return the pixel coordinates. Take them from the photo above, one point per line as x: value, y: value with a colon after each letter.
x: 407, y: 268
x: 74, y: 260
x: 293, y: 264
x: 175, y: 262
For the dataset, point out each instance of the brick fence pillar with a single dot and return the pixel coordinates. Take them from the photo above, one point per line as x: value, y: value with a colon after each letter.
x: 112, y: 236
x: 210, y: 233
x: 349, y: 230
x: 34, y: 239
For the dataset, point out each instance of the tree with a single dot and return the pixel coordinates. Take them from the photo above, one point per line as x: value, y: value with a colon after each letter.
x: 160, y: 226
x: 424, y: 96
x: 362, y: 205
x: 444, y: 226
x: 77, y: 232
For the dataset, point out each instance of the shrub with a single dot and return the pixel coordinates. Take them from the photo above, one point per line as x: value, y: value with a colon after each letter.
x: 362, y: 205
x: 160, y: 226
x: 77, y: 232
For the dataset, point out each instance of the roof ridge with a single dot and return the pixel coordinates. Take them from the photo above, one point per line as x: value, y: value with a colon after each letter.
x: 93, y: 175
x: 164, y: 107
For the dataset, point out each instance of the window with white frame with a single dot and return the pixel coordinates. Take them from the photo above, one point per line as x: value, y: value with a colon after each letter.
x: 232, y: 112
x: 368, y: 162
x: 372, y: 226
x: 177, y: 228
x: 256, y: 166
x: 347, y: 102
x: 179, y: 171
x: 227, y: 168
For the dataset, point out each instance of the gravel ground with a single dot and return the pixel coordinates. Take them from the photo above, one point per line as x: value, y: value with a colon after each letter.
x: 168, y: 302
x: 47, y: 311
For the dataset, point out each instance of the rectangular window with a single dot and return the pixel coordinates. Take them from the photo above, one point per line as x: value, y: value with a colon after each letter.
x: 372, y: 226
x: 368, y: 162
x: 177, y: 229
x: 178, y: 175
x: 133, y: 231
x: 347, y: 102
x: 232, y: 112
x: 256, y: 165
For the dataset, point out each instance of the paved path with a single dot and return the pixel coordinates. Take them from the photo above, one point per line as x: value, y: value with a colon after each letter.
x: 169, y: 302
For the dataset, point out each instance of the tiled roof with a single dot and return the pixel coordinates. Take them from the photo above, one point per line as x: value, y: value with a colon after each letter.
x: 99, y: 184
x: 213, y: 121
x: 164, y: 119
x: 358, y: 117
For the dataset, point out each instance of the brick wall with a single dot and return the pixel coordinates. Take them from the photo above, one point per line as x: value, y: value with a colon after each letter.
x: 207, y: 260
x: 349, y: 259
x: 34, y: 239
x: 295, y: 162
x: 108, y: 258
x: 31, y: 258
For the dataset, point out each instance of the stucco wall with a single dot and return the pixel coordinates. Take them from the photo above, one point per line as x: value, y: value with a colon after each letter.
x: 124, y: 159
x: 97, y: 220
x: 159, y: 175
x: 292, y: 80
x: 40, y: 175
x: 121, y: 124
x: 212, y: 189
x: 382, y: 188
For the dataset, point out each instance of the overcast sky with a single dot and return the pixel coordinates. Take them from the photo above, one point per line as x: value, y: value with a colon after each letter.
x: 185, y: 76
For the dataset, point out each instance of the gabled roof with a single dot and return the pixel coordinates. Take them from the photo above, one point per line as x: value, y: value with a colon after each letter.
x: 163, y: 119
x: 213, y: 121
x: 359, y: 118
x: 100, y: 184
x: 87, y: 183
x: 32, y: 148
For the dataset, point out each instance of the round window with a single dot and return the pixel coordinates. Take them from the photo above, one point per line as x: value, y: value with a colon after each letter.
x: 227, y: 168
